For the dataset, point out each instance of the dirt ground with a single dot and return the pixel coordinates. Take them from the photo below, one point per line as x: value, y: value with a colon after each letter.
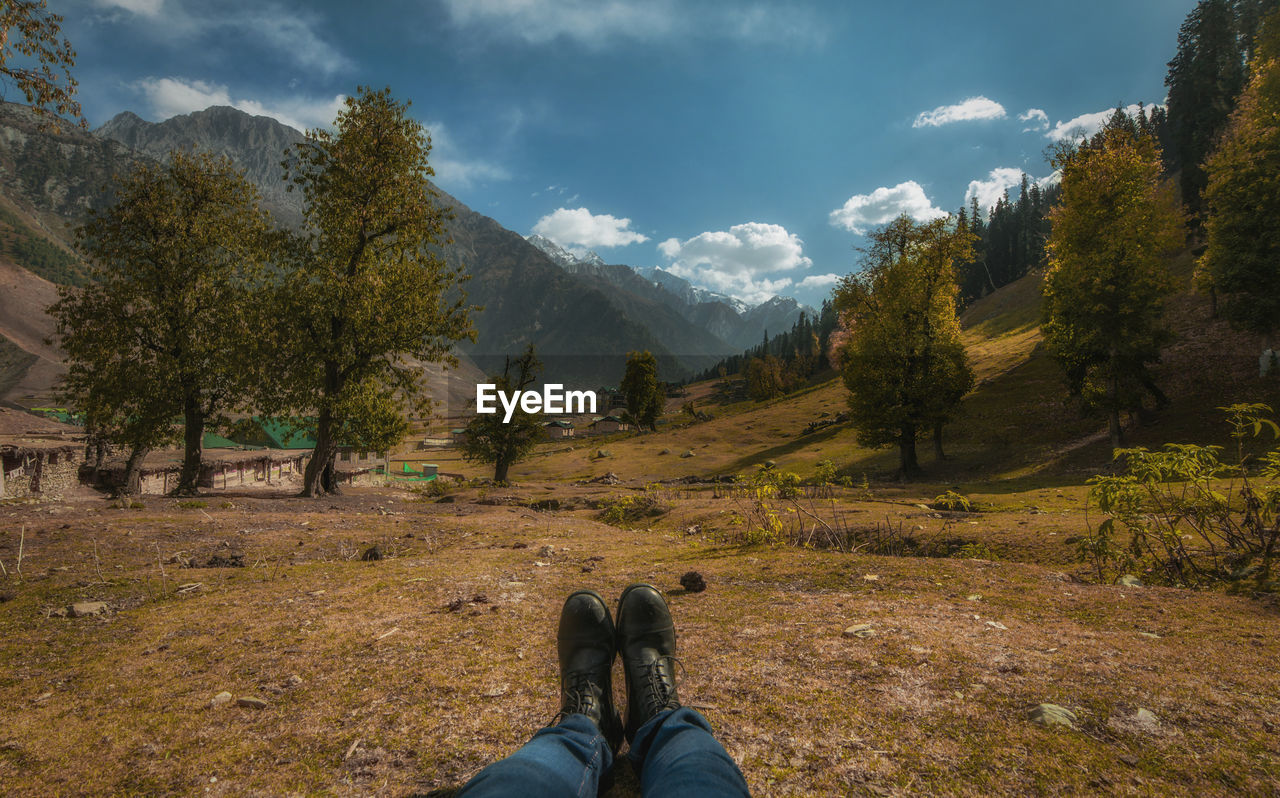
x: 406, y: 675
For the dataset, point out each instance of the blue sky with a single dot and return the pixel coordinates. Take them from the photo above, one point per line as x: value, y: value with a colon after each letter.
x: 747, y: 146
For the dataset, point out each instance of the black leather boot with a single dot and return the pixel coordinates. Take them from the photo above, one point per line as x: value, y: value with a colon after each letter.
x: 647, y: 643
x: 585, y: 643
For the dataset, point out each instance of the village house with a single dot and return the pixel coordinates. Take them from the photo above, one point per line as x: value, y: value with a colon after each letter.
x: 559, y: 429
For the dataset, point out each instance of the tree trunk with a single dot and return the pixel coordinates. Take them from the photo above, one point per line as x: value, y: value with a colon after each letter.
x: 500, y: 469
x: 315, y: 480
x: 909, y: 466
x: 320, y: 477
x: 1162, y: 401
x: 937, y: 442
x: 131, y: 484
x: 193, y: 438
x: 1113, y: 403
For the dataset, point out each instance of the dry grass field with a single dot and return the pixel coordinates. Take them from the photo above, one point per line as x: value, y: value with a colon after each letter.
x: 406, y: 675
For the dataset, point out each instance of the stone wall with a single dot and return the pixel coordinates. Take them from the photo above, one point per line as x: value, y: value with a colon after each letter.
x: 38, y: 471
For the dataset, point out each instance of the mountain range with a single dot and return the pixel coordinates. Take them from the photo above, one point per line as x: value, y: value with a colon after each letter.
x: 581, y: 314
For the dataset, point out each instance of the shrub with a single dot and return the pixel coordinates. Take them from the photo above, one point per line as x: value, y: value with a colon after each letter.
x: 954, y: 502
x: 1191, y: 519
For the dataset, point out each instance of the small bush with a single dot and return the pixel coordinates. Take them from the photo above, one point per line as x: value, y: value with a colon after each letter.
x: 193, y: 504
x: 630, y: 509
x: 953, y: 502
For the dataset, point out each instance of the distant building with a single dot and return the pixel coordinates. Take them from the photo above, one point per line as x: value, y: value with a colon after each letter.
x: 39, y: 468
x: 609, y: 424
x: 559, y: 429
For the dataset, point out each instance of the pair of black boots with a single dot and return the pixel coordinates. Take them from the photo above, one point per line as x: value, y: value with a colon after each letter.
x: 645, y: 637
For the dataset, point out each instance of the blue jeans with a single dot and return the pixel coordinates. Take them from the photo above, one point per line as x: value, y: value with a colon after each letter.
x: 674, y: 753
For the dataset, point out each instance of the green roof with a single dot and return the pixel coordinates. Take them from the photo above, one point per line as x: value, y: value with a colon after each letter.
x: 275, y: 433
x: 213, y: 440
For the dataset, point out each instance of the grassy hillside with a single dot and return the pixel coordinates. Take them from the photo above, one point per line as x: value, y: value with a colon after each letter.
x: 1018, y: 427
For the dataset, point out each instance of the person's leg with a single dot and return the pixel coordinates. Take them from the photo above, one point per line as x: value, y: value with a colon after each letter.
x: 563, y: 760
x: 569, y: 758
x: 675, y: 754
x: 671, y: 746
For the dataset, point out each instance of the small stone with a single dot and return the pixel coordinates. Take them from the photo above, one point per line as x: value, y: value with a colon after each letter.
x: 293, y: 681
x: 250, y: 702
x: 1146, y: 719
x: 687, y: 454
x: 58, y: 612
x: 975, y: 597
x: 1052, y: 715
x: 547, y: 551
x: 871, y: 577
x: 85, y: 609
x: 42, y: 698
x: 665, y: 451
x: 221, y: 698
x: 1129, y: 580
x: 1151, y: 635
x: 861, y: 630
x: 693, y: 582
x: 997, y: 625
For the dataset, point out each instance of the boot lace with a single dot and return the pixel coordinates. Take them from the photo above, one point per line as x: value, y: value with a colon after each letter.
x: 659, y: 682
x: 581, y: 696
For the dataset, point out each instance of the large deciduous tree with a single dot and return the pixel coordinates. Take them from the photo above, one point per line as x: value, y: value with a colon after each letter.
x: 903, y: 363
x: 1115, y: 227
x: 364, y: 300
x: 489, y: 439
x: 161, y: 330
x: 36, y: 59
x: 643, y: 391
x: 1242, y: 225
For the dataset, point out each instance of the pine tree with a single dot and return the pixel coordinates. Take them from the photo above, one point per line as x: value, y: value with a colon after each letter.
x: 490, y: 439
x: 1242, y: 225
x: 1107, y: 278
x: 1205, y: 77
x: 643, y: 391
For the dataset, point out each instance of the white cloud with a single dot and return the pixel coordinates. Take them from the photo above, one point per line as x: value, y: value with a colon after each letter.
x: 971, y: 109
x: 1037, y: 119
x: 453, y: 169
x: 145, y: 8
x: 819, y: 281
x: 990, y: 191
x: 581, y: 228
x: 596, y: 22
x: 289, y: 33
x: 1085, y: 124
x: 739, y: 262
x: 172, y: 96
x: 864, y: 211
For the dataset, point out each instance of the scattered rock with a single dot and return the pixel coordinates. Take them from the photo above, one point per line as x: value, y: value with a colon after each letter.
x: 1050, y: 715
x: 975, y: 597
x: 220, y: 561
x: 687, y: 454
x: 665, y: 451
x: 609, y: 478
x: 1141, y: 722
x: 372, y: 553
x: 861, y: 630
x: 545, y: 504
x: 86, y: 609
x: 693, y: 582
x: 58, y: 612
x: 871, y: 577
x: 1151, y: 635
x: 294, y: 680
x: 250, y: 702
x: 547, y: 551
x: 603, y: 453
x: 1129, y: 580
x: 221, y: 698
x: 997, y: 625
